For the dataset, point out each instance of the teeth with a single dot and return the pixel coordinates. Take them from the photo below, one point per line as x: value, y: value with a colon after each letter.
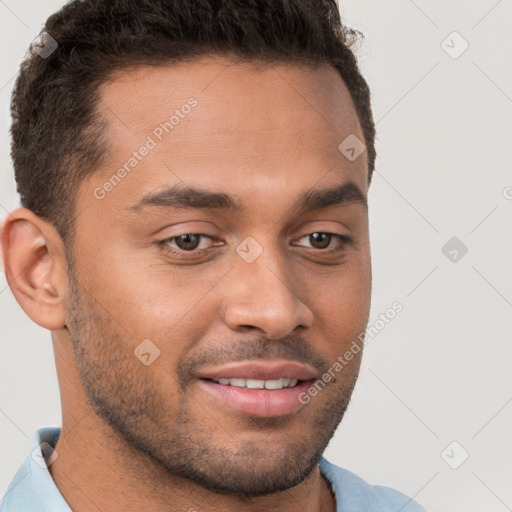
x: 259, y: 384
x: 255, y: 384
x: 274, y: 384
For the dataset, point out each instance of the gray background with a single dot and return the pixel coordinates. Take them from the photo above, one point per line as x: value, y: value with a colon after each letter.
x: 440, y: 371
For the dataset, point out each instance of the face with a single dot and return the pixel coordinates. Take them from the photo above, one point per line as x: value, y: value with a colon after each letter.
x: 256, y: 275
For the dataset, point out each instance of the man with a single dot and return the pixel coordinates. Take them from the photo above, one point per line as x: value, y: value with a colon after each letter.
x: 194, y: 234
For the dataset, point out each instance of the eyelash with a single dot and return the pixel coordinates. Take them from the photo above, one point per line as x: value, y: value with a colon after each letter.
x: 343, y: 239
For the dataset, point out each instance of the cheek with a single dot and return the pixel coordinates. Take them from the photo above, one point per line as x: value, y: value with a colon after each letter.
x: 174, y: 300
x: 344, y: 312
x: 343, y: 306
x: 169, y: 307
x: 140, y: 290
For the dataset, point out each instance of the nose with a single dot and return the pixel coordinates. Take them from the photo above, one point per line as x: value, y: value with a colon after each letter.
x: 263, y: 295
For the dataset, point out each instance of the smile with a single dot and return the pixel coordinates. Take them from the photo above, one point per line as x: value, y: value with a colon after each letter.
x: 255, y: 397
x: 258, y: 384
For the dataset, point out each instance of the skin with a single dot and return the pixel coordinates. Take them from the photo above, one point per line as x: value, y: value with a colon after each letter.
x: 148, y: 437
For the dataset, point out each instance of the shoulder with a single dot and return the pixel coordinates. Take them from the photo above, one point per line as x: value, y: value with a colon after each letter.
x: 32, y: 488
x: 353, y: 493
x: 17, y: 495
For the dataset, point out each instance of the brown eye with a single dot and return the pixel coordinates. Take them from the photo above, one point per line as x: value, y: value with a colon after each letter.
x: 323, y: 241
x: 188, y: 242
x: 320, y: 240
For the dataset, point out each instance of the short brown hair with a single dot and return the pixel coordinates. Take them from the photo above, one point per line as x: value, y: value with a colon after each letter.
x: 57, y: 136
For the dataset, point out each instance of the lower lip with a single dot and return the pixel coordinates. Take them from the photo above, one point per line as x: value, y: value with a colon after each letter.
x: 258, y: 402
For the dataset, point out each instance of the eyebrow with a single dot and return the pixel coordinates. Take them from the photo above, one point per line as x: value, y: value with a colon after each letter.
x: 179, y: 196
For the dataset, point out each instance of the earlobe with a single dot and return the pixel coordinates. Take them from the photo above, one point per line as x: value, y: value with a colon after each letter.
x: 35, y: 267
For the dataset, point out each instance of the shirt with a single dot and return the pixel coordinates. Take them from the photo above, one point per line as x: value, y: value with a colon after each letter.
x: 33, y: 490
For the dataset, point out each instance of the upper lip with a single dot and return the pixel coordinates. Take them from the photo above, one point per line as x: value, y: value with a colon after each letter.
x: 264, y: 370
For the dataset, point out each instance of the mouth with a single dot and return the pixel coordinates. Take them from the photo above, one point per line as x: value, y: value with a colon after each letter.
x: 261, y: 398
x: 259, y: 387
x: 258, y: 384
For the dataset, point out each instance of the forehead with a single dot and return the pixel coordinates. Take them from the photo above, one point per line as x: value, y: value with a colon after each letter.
x: 216, y: 123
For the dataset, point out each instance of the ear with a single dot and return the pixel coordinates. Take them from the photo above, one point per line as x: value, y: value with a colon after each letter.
x: 34, y: 262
